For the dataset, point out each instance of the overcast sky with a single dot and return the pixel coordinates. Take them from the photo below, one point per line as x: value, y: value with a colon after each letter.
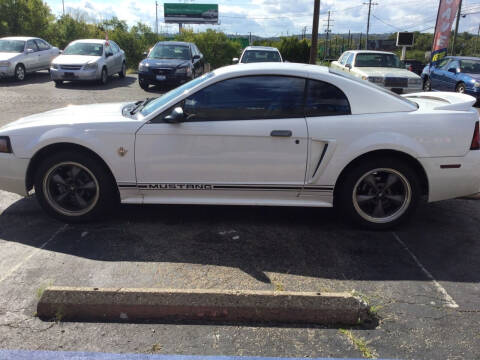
x: 282, y: 17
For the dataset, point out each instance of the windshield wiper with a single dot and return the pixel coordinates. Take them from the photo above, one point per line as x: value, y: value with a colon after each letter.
x: 139, y: 105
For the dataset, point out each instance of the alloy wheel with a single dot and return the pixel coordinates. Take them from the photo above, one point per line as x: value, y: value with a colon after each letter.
x: 382, y: 195
x: 71, y: 189
x: 20, y: 73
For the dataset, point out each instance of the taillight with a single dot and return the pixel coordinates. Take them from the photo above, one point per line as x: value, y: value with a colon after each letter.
x: 476, y: 139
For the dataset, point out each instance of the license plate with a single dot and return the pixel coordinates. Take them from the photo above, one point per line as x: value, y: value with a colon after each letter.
x: 161, y: 77
x: 68, y: 74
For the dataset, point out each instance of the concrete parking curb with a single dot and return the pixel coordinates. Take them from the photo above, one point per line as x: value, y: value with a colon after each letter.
x: 138, y: 305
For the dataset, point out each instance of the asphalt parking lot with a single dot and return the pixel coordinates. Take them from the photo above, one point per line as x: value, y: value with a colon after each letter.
x: 422, y: 279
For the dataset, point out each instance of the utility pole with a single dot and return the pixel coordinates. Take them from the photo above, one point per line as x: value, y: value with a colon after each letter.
x: 63, y: 5
x: 349, y: 41
x: 327, y: 38
x: 314, y: 46
x: 250, y: 38
x: 156, y: 17
x: 360, y: 42
x: 370, y: 4
x: 476, y: 41
x: 456, y: 27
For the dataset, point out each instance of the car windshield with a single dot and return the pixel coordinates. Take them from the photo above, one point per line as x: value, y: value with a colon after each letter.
x: 253, y: 56
x: 12, y: 46
x: 168, y: 51
x: 377, y: 60
x: 162, y: 100
x: 83, y: 48
x: 470, y: 66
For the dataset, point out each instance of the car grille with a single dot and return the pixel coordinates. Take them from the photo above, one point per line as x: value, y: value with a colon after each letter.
x: 71, y: 67
x: 396, y: 82
x: 163, y: 71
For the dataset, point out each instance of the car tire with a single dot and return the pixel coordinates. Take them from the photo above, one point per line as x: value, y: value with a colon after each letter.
x: 58, y: 83
x: 144, y: 85
x: 461, y: 88
x: 20, y: 73
x: 104, y: 76
x: 123, y: 72
x: 378, y: 193
x: 427, y: 85
x: 75, y: 187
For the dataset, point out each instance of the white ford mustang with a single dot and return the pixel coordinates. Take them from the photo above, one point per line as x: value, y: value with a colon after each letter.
x: 260, y: 134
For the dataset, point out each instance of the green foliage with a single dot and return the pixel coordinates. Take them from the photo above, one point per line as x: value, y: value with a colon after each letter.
x: 218, y: 49
x: 292, y: 48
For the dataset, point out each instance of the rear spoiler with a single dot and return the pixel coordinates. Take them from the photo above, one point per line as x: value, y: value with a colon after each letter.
x: 451, y: 100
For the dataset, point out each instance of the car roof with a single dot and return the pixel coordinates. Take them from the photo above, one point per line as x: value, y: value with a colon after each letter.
x: 93, y: 41
x: 369, y: 52
x: 23, y: 38
x: 270, y: 67
x: 262, y: 48
x: 183, y: 43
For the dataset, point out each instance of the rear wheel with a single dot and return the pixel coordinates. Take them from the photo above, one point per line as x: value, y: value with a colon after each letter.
x: 19, y: 72
x: 379, y: 193
x: 74, y: 187
x: 427, y: 85
x: 460, y: 88
x: 123, y: 72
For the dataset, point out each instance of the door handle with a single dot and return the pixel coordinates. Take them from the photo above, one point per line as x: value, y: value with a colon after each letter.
x: 281, y: 133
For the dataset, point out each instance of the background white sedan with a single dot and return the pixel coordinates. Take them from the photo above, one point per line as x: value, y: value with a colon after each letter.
x: 260, y: 134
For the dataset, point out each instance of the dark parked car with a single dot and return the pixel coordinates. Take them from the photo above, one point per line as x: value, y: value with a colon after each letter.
x: 453, y: 73
x: 414, y: 66
x: 170, y: 63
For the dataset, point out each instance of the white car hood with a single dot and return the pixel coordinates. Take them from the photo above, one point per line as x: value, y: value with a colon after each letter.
x: 386, y: 72
x: 89, y: 115
x: 8, y: 55
x: 75, y: 59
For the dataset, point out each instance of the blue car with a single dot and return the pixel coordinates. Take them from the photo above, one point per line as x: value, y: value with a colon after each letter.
x: 453, y: 73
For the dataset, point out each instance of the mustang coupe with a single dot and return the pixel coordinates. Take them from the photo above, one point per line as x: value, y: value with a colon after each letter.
x: 260, y: 134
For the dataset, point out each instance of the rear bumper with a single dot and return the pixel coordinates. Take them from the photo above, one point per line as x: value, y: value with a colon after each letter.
x: 449, y: 183
x: 13, y: 173
x: 76, y: 75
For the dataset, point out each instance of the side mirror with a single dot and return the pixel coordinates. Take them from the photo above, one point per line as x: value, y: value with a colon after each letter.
x: 108, y: 55
x: 29, y: 51
x: 348, y: 66
x: 196, y: 57
x: 60, y: 51
x: 175, y: 117
x: 145, y: 53
x: 453, y: 71
x: 235, y: 60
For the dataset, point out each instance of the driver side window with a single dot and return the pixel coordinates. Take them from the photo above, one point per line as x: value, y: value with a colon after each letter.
x: 247, y: 98
x: 31, y: 45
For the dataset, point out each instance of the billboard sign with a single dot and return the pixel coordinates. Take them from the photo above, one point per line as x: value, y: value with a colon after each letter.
x: 447, y: 10
x: 405, y: 39
x: 190, y: 13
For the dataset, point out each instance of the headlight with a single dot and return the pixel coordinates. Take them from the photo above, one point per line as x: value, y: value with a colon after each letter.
x: 477, y: 84
x: 143, y: 67
x: 55, y: 66
x: 5, y: 146
x: 4, y: 63
x: 375, y: 79
x: 185, y: 70
x: 90, y: 66
x: 414, y: 81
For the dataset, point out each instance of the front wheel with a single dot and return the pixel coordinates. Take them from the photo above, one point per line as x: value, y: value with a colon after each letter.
x: 19, y: 72
x: 143, y: 84
x: 379, y: 193
x: 427, y: 85
x: 104, y: 76
x: 74, y: 187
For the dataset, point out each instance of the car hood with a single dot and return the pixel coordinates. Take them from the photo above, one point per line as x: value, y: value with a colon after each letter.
x: 73, y: 115
x: 166, y: 63
x: 386, y: 72
x: 8, y: 55
x: 75, y: 59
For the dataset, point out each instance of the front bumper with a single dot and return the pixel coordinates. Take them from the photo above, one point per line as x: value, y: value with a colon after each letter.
x: 74, y: 75
x: 7, y: 71
x: 166, y: 78
x: 13, y: 172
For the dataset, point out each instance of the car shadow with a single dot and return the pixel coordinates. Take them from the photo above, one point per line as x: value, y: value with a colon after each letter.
x: 38, y: 77
x: 299, y: 241
x: 113, y: 82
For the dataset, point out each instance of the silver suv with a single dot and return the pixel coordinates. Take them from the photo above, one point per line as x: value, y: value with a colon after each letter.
x: 22, y: 55
x: 88, y: 59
